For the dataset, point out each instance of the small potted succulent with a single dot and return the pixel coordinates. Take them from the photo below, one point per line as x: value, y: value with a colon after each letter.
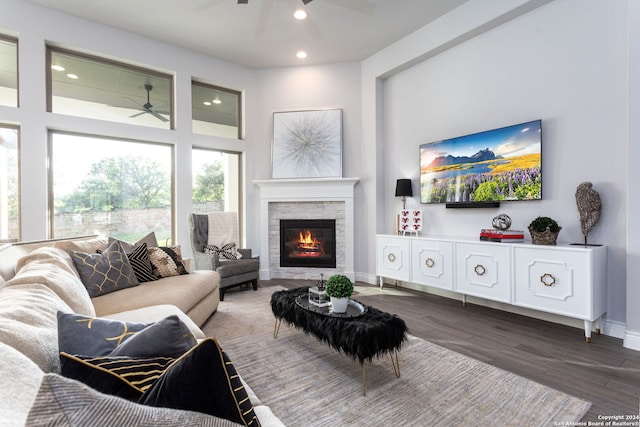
x: 339, y: 288
x: 544, y: 231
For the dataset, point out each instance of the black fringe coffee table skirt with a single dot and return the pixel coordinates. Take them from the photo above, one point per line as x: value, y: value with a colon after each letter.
x: 373, y: 334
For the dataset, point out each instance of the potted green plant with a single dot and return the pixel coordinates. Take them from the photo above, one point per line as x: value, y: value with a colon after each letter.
x: 544, y: 231
x: 339, y: 288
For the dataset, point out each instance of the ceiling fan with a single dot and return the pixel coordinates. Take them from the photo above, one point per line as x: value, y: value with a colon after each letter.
x: 147, y: 108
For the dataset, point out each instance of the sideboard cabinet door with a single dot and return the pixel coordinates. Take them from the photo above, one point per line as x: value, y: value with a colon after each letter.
x: 483, y: 270
x: 565, y: 282
x: 432, y: 263
x: 393, y: 254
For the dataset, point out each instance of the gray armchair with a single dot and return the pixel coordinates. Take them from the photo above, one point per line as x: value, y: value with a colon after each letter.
x: 232, y: 272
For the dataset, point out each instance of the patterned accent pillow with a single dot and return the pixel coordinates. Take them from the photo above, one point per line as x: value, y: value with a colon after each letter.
x: 202, y: 380
x: 102, y: 273
x: 63, y: 401
x: 167, y: 261
x: 227, y: 251
x: 107, y: 337
x: 141, y: 264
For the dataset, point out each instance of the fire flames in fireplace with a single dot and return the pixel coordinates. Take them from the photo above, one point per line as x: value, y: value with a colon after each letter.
x: 308, y: 245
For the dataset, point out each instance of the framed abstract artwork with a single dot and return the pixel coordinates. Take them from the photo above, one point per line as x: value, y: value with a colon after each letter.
x: 307, y: 144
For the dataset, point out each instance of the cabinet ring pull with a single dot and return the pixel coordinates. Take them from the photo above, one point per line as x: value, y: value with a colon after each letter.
x: 391, y: 257
x: 480, y: 270
x: 429, y: 262
x: 548, y: 279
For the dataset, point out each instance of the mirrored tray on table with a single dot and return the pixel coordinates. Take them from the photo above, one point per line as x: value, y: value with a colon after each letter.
x: 354, y: 309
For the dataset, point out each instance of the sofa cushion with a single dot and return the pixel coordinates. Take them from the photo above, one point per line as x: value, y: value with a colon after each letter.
x: 101, y: 337
x: 184, y: 291
x: 155, y: 313
x: 105, y: 272
x: 90, y: 246
x: 236, y: 267
x: 150, y: 240
x: 167, y: 261
x: 20, y: 382
x: 54, y: 268
x: 203, y: 380
x: 28, y: 322
x: 63, y: 402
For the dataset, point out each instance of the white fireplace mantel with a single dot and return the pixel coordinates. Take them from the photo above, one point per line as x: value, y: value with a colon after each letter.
x: 307, y: 190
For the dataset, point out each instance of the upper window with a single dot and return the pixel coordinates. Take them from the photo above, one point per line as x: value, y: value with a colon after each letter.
x: 86, y: 86
x: 9, y: 199
x: 215, y: 110
x: 111, y: 187
x: 8, y: 71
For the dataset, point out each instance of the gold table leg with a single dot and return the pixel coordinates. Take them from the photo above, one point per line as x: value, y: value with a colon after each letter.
x: 276, y: 328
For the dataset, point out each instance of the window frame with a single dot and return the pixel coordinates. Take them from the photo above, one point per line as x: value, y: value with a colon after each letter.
x: 238, y: 95
x: 18, y: 237
x: 108, y: 62
x: 16, y: 41
x: 50, y: 183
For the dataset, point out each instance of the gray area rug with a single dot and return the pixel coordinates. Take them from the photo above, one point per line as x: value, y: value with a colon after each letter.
x: 308, y: 384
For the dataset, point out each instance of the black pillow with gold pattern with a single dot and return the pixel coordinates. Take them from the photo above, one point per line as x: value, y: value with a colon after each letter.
x: 166, y: 261
x: 104, y: 272
x: 203, y: 380
x: 101, y: 336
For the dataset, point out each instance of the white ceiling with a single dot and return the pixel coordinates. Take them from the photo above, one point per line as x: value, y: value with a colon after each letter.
x: 263, y: 33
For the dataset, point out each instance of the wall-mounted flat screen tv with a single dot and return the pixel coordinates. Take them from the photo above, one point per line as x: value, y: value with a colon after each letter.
x: 492, y: 166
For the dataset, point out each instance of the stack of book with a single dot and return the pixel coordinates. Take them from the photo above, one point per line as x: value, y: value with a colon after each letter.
x: 493, y: 235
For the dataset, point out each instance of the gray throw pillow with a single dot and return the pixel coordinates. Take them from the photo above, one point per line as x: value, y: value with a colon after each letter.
x: 91, y: 336
x: 65, y: 402
x: 104, y: 272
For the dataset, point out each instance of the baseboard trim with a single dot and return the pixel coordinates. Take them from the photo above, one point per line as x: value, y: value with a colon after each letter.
x: 631, y: 340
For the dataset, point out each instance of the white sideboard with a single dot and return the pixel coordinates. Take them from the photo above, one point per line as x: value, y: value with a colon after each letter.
x: 568, y: 280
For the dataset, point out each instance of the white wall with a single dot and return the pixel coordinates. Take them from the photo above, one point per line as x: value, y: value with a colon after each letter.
x: 306, y: 88
x: 564, y: 62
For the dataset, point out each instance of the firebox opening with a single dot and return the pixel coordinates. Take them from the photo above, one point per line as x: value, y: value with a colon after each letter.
x: 308, y: 243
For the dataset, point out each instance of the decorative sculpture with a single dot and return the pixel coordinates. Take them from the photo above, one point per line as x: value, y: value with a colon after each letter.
x: 501, y: 222
x: 589, y: 207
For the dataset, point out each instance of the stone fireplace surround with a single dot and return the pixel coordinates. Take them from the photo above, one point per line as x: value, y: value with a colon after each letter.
x: 320, y: 198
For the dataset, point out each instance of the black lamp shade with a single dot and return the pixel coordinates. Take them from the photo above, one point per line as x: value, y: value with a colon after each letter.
x: 403, y: 188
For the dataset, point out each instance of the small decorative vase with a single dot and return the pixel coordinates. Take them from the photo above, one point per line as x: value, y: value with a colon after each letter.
x: 339, y: 305
x: 546, y: 237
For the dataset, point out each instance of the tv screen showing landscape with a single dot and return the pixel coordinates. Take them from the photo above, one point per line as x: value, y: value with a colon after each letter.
x: 496, y: 165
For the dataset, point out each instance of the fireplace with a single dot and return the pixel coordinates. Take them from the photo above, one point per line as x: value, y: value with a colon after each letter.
x: 308, y: 243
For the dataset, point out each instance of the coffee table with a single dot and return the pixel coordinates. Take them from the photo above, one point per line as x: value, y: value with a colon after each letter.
x: 364, y: 336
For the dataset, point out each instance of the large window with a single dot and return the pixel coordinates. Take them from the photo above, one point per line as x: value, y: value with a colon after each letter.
x: 215, y: 110
x: 8, y: 71
x: 87, y: 86
x: 110, y: 187
x: 9, y: 199
x: 216, y: 181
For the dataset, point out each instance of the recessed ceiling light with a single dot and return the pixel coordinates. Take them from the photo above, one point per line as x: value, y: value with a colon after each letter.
x: 300, y: 14
x: 301, y: 54
x: 57, y: 67
x: 207, y: 103
x: 73, y: 76
x: 217, y: 101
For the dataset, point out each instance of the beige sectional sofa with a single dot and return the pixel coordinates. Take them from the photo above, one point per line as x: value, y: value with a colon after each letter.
x: 39, y: 279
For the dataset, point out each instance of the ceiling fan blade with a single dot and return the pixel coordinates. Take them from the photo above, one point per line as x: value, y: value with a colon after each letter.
x: 243, y: 1
x: 158, y: 116
x: 306, y: 1
x: 207, y: 5
x: 137, y: 114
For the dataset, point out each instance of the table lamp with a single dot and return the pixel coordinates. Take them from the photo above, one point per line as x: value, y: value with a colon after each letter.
x: 403, y: 189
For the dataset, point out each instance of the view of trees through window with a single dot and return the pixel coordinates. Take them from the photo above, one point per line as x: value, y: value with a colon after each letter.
x: 110, y: 187
x: 9, y: 200
x: 216, y: 177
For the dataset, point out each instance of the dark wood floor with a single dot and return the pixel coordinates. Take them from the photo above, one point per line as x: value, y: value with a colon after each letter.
x: 602, y: 372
